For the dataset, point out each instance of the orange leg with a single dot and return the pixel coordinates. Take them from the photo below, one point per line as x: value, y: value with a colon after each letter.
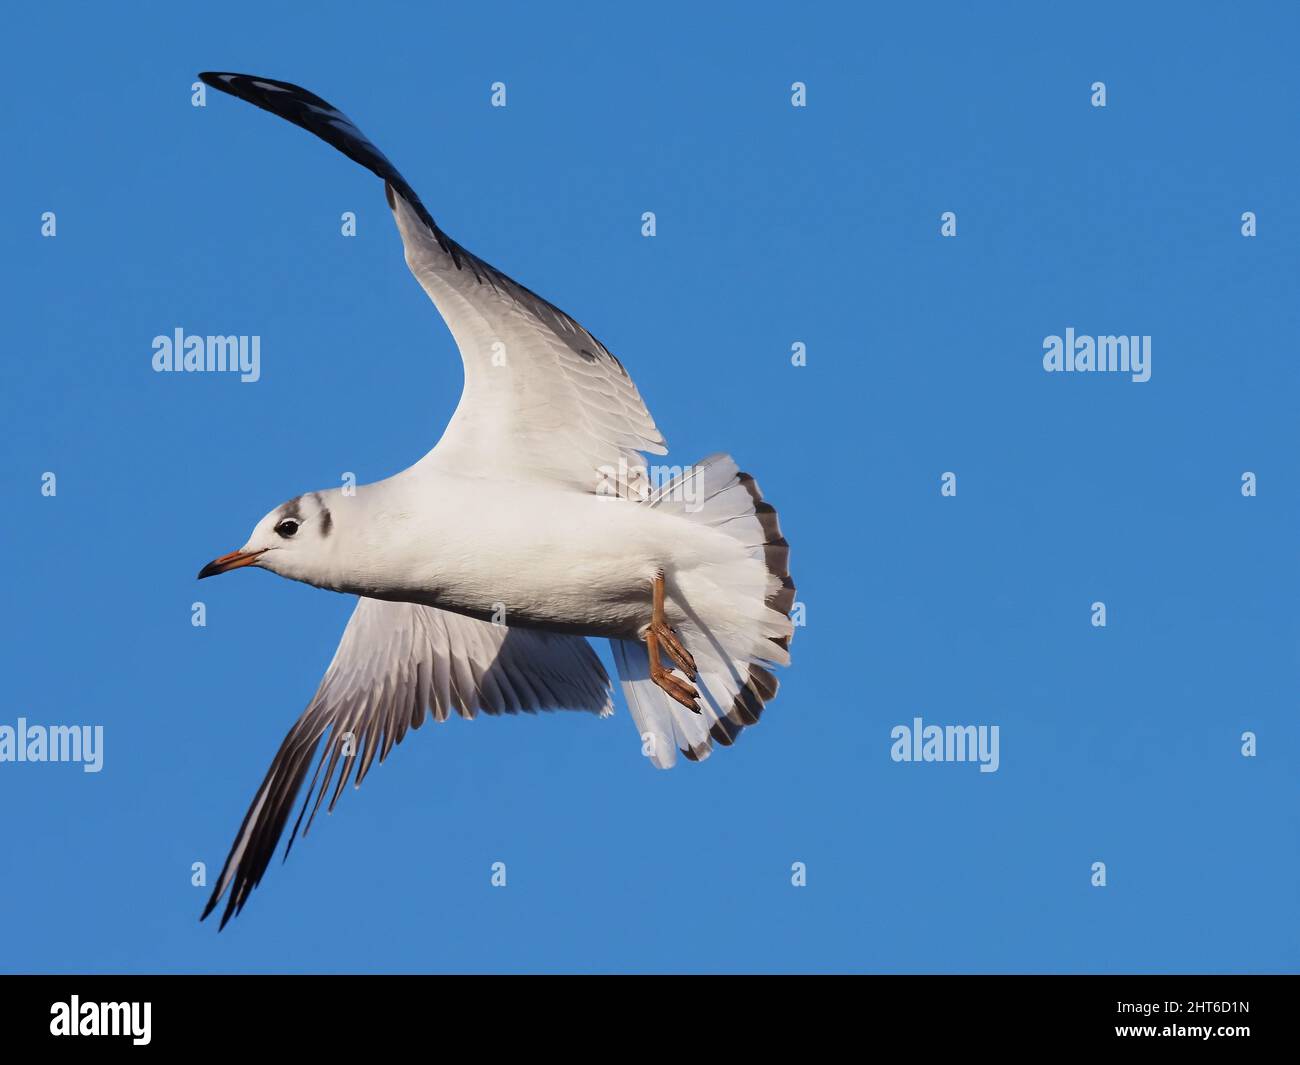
x: 660, y: 635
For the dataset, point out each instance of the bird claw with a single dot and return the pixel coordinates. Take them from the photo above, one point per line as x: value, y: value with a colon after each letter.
x: 674, y: 648
x: 658, y: 633
x: 678, y: 689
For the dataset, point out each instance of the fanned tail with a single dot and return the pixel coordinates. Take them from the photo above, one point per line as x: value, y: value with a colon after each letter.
x: 734, y: 648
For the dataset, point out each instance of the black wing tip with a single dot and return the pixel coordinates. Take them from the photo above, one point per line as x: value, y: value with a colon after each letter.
x: 253, y: 89
x: 230, y: 80
x: 224, y: 80
x: 215, y: 900
x: 230, y: 911
x: 212, y: 905
x: 301, y: 106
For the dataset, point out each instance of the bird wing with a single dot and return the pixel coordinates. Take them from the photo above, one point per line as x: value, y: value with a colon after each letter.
x: 543, y: 398
x: 395, y: 663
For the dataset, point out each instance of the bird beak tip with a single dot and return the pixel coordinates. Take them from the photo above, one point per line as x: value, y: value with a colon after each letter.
x: 226, y: 563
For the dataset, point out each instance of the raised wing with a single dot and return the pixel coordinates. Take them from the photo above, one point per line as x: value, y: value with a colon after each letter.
x: 543, y: 398
x: 395, y: 663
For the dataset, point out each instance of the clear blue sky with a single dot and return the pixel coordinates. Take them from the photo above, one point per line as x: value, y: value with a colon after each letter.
x: 775, y: 225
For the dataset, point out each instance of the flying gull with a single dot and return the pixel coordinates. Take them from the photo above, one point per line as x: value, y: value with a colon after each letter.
x: 532, y: 525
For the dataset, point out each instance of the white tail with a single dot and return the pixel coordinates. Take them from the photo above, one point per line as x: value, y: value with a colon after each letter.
x: 745, y: 629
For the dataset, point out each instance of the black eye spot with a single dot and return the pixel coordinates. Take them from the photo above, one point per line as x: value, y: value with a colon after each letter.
x: 287, y: 528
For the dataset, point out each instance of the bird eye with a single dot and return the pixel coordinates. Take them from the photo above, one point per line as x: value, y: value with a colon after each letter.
x: 287, y: 528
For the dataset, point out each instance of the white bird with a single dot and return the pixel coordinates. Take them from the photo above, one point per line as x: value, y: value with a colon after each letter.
x: 532, y: 525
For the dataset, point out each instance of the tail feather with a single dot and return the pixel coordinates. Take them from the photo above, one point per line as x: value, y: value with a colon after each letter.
x: 734, y: 649
x: 665, y: 726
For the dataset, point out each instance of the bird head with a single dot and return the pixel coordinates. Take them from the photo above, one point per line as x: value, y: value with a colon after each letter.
x: 292, y: 540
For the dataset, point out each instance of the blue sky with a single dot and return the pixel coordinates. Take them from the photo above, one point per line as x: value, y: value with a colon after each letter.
x: 775, y: 225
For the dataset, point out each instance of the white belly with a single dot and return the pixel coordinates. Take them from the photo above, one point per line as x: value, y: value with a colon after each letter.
x: 533, y: 555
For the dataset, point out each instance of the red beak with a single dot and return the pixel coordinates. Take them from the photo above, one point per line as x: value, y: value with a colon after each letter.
x: 226, y: 563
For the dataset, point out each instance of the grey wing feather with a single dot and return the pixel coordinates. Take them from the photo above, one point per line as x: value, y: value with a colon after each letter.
x: 396, y: 663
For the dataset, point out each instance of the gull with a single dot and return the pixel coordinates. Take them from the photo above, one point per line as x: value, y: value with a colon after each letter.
x: 534, y: 523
